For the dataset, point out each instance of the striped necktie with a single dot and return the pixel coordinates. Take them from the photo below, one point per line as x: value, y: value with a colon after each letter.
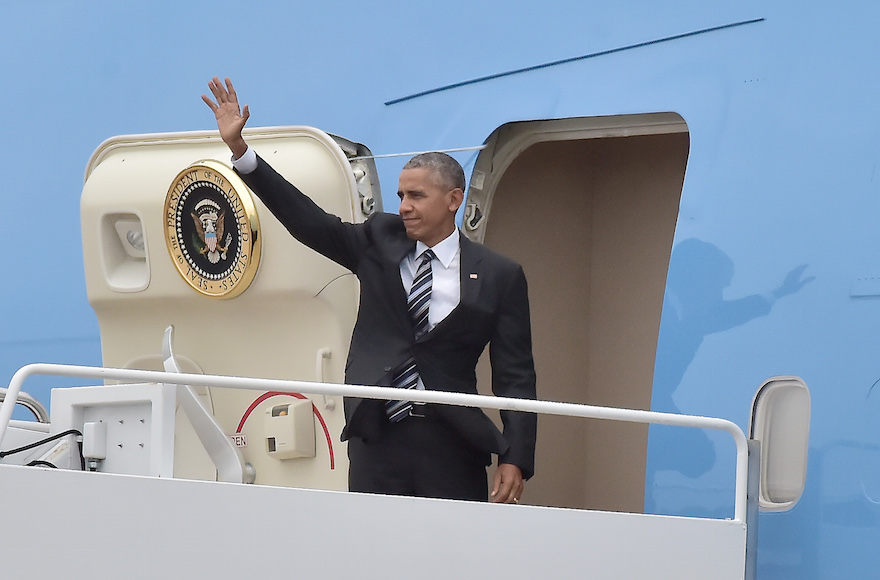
x: 418, y: 304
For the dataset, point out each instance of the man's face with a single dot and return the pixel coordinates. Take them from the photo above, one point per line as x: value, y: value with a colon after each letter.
x: 427, y: 206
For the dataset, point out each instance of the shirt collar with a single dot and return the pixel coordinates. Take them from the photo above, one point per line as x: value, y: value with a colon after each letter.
x: 445, y: 250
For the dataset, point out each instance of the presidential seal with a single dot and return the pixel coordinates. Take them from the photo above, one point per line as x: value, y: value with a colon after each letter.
x: 212, y: 230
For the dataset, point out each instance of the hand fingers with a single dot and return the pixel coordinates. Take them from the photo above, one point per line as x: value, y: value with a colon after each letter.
x: 504, y: 494
x: 507, y: 484
x: 514, y: 490
x: 231, y: 90
x: 219, y: 91
x: 496, y: 486
x: 506, y: 490
x: 509, y: 493
x: 496, y: 483
x: 210, y: 103
x: 517, y: 492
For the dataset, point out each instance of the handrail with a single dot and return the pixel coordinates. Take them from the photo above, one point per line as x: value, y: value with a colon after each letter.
x: 31, y: 404
x: 391, y: 393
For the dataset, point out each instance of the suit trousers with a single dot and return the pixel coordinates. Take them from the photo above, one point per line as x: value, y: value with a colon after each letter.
x: 418, y: 456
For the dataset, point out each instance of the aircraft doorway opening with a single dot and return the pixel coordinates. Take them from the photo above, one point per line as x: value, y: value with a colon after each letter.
x: 588, y: 206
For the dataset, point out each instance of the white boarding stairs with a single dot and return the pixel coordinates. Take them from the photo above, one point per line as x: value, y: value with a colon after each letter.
x: 75, y: 523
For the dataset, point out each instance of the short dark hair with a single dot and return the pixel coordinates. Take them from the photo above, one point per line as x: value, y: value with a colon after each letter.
x: 444, y: 166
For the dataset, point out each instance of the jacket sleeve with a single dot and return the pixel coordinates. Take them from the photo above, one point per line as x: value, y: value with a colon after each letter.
x: 513, y: 372
x: 325, y: 233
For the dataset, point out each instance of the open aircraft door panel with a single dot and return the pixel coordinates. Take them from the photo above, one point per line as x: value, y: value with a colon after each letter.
x: 172, y: 237
x: 589, y: 207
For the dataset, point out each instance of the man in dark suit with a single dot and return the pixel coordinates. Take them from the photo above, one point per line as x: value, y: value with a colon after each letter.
x: 430, y: 301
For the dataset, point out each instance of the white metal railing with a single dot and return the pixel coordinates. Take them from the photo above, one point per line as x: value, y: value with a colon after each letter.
x: 372, y: 392
x: 31, y: 404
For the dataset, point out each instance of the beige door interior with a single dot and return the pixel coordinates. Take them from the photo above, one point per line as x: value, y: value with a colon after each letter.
x: 588, y: 206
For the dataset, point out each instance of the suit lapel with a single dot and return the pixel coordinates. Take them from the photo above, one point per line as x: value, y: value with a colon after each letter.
x: 396, y: 252
x: 470, y: 271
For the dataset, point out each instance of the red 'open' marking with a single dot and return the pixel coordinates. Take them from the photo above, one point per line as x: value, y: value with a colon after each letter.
x: 315, y: 410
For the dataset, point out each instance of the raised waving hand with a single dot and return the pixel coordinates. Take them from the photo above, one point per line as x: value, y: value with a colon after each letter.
x: 231, y: 118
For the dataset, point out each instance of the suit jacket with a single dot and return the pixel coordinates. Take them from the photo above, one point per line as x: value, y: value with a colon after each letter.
x: 493, y: 310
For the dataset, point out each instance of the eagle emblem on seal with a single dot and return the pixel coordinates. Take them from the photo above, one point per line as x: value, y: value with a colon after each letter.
x: 210, y: 223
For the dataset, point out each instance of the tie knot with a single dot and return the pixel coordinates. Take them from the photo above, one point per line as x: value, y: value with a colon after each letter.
x: 427, y: 256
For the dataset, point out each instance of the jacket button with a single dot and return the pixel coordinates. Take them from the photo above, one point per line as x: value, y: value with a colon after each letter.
x: 387, y: 369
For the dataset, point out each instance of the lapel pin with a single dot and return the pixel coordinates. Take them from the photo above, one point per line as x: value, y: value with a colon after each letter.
x: 473, y: 276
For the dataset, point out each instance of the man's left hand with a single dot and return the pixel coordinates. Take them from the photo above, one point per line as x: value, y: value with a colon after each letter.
x: 508, y: 484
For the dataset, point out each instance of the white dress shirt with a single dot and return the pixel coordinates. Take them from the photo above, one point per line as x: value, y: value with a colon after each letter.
x: 446, y: 274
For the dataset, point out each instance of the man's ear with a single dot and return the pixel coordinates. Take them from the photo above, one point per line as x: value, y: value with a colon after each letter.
x: 456, y: 198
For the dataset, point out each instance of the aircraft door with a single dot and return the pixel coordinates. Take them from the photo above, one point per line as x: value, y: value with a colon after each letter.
x: 588, y: 206
x: 172, y: 237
